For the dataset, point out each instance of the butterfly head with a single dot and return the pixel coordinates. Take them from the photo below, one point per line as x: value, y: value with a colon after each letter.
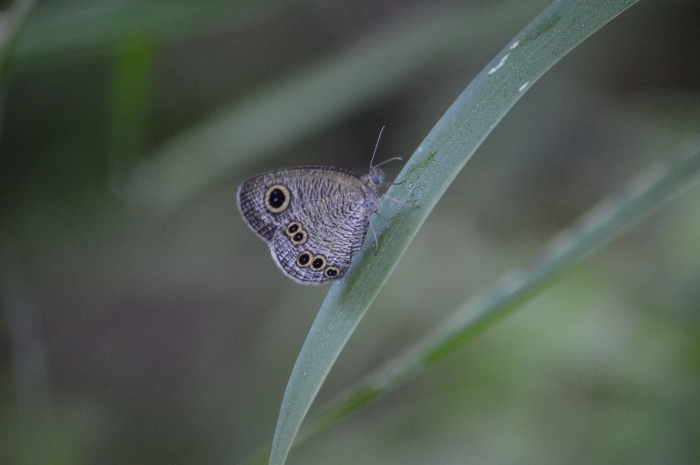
x: 375, y: 178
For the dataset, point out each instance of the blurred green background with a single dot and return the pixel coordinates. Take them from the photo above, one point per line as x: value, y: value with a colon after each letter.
x: 142, y: 322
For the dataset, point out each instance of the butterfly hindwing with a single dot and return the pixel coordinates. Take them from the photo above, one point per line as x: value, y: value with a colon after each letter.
x: 332, y: 241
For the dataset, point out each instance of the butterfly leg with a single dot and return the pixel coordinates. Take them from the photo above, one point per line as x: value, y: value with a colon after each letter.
x: 376, y: 241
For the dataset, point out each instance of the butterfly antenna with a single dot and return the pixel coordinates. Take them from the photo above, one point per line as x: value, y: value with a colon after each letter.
x: 387, y: 161
x: 376, y: 146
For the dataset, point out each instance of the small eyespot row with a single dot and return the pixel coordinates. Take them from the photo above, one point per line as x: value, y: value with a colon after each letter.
x: 277, y: 198
x: 317, y: 263
x: 296, y: 233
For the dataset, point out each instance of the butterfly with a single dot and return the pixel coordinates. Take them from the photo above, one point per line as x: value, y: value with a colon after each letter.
x: 315, y: 218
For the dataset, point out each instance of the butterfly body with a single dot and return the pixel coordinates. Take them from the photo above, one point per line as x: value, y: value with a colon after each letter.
x: 314, y: 219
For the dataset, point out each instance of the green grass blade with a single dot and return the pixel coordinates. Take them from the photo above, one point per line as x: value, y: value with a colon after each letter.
x: 599, y: 227
x: 426, y: 176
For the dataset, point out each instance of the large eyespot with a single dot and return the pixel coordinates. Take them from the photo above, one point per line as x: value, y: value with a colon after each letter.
x: 318, y: 262
x: 296, y: 233
x: 277, y: 198
x: 304, y: 259
x: 331, y: 272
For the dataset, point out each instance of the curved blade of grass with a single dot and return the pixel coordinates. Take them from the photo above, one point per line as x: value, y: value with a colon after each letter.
x: 426, y: 176
x: 602, y: 225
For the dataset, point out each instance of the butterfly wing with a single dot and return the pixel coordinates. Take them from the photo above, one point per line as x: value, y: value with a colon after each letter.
x: 255, y: 207
x: 314, y: 219
x: 336, y: 231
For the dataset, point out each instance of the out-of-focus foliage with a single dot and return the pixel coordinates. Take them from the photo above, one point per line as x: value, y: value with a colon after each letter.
x: 134, y: 334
